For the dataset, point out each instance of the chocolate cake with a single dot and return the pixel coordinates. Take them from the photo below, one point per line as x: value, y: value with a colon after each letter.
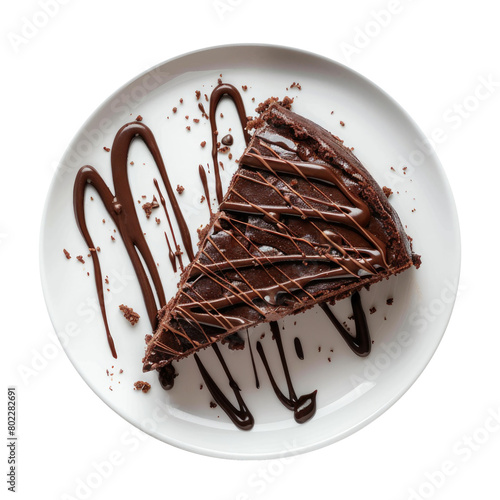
x: 302, y: 223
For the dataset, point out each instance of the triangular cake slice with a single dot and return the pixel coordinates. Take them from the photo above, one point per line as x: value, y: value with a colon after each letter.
x: 302, y: 222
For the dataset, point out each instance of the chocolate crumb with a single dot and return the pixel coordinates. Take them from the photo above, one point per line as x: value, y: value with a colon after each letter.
x: 213, y: 405
x: 389, y: 301
x: 157, y: 220
x: 106, y: 149
x: 180, y: 189
x: 296, y: 85
x: 142, y: 386
x: 79, y: 258
x: 203, y: 144
x: 202, y: 199
x: 387, y: 191
x: 329, y: 360
x: 201, y: 387
x: 129, y: 314
x: 174, y: 110
x: 181, y: 100
x: 148, y: 207
x: 373, y: 310
x: 139, y: 118
x: 121, y: 371
x: 188, y: 128
x: 342, y: 123
x: 244, y: 87
x: 66, y: 253
x: 112, y: 238
x: 196, y: 120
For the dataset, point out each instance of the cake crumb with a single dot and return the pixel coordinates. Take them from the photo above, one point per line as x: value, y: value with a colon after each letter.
x: 319, y: 348
x: 106, y: 149
x: 142, y: 386
x: 244, y: 87
x: 373, y: 310
x: 157, y: 220
x: 112, y: 238
x: 203, y: 144
x: 342, y: 123
x: 180, y: 189
x: 174, y: 110
x: 79, y: 258
x: 66, y: 253
x: 213, y: 405
x: 296, y: 85
x: 198, y: 94
x: 389, y: 301
x: 139, y: 118
x: 129, y: 314
x: 148, y: 207
x: 202, y: 199
x: 387, y: 191
x: 188, y: 128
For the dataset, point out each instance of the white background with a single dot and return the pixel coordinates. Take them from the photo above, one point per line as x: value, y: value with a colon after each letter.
x: 441, y: 439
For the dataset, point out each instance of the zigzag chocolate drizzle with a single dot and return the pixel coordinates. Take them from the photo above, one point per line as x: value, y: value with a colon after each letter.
x: 311, y: 229
x: 121, y: 208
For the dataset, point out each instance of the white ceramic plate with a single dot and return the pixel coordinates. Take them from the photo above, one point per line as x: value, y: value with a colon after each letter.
x: 352, y: 391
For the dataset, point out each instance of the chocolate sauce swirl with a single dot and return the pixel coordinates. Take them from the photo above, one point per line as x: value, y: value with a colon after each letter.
x: 121, y: 208
x: 303, y: 407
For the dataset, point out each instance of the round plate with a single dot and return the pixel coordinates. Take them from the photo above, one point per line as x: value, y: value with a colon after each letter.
x: 352, y: 391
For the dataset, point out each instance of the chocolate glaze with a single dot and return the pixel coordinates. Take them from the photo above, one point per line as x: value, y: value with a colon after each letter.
x: 303, y: 407
x: 241, y: 416
x: 361, y: 343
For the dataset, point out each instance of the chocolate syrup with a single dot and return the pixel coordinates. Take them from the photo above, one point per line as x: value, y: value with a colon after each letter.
x: 361, y: 343
x: 241, y: 416
x: 303, y: 407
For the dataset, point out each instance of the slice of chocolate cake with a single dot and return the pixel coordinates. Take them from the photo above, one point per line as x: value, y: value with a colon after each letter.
x: 302, y: 222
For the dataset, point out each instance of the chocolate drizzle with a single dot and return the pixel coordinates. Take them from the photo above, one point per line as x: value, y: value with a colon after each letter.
x: 121, y: 208
x: 303, y: 407
x: 361, y: 343
x: 241, y: 416
x: 224, y: 89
